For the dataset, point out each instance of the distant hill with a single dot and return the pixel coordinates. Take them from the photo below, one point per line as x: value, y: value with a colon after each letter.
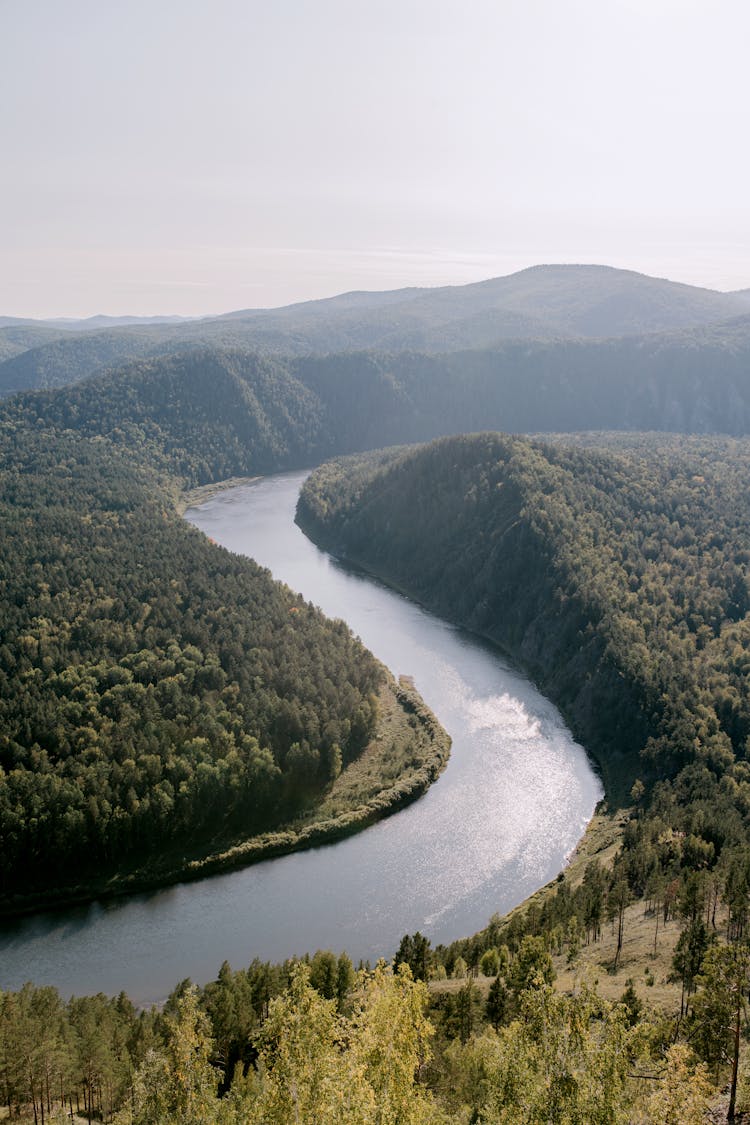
x: 210, y: 413
x: 696, y: 381
x: 202, y: 416
x: 93, y: 323
x: 69, y: 358
x: 549, y: 303
x: 543, y: 301
x: 20, y: 337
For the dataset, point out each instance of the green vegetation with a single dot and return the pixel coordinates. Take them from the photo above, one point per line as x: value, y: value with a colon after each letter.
x: 201, y: 417
x: 313, y: 1041
x: 617, y: 577
x: 161, y: 697
x: 616, y: 570
x: 166, y: 708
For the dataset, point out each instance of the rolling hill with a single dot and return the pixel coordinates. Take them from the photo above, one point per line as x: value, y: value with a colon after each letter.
x: 550, y: 303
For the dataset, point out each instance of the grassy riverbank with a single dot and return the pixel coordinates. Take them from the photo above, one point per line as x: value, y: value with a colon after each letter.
x: 407, y: 753
x: 194, y: 497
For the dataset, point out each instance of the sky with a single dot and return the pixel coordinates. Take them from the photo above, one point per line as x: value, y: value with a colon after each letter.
x: 192, y: 157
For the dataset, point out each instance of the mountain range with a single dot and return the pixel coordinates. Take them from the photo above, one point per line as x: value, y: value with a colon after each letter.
x: 552, y: 303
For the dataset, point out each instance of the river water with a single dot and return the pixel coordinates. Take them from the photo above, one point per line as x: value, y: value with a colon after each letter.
x: 499, y: 823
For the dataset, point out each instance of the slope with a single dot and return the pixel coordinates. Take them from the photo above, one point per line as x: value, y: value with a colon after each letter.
x: 544, y: 302
x: 161, y: 700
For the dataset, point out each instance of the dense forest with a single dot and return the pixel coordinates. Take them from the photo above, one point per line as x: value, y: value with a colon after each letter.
x: 201, y: 417
x: 160, y: 698
x: 617, y: 575
x: 210, y: 413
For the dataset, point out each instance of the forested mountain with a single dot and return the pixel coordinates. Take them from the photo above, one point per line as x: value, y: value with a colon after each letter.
x: 687, y: 382
x: 18, y: 338
x: 618, y: 576
x: 211, y: 413
x: 204, y: 416
x: 542, y: 303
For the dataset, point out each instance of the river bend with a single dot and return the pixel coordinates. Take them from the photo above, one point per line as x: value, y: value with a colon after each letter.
x: 499, y: 823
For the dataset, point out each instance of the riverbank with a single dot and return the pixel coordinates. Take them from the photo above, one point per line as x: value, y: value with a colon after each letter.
x: 193, y: 497
x: 616, y: 770
x: 407, y: 754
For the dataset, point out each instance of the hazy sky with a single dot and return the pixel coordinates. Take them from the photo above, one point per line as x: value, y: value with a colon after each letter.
x: 181, y: 156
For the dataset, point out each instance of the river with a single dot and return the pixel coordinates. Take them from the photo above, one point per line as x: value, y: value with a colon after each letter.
x: 500, y: 822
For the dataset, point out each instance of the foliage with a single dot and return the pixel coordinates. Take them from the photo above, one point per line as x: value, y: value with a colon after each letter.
x: 309, y: 1062
x: 156, y: 692
x: 616, y: 571
x: 565, y: 1060
x: 683, y: 1096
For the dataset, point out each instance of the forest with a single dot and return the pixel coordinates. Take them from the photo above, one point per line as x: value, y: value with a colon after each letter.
x: 614, y: 568
x: 427, y: 1040
x: 160, y: 696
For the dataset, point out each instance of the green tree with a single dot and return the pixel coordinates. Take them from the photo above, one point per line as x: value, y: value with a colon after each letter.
x: 719, y: 1009
x: 303, y: 1074
x: 178, y: 1085
x: 683, y: 1095
x: 414, y: 951
x: 391, y: 1039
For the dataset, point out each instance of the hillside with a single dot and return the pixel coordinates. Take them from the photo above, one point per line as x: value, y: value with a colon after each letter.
x: 616, y: 576
x: 164, y: 704
x: 273, y: 412
x: 23, y: 336
x: 549, y: 303
x: 615, y: 570
x: 203, y: 415
x: 697, y: 381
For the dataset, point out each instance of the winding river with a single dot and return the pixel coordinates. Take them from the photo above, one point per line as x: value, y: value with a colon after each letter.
x: 499, y: 823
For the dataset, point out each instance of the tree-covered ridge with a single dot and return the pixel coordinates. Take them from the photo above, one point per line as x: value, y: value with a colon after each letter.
x: 617, y: 576
x: 156, y: 692
x: 690, y: 382
x: 202, y: 416
x: 540, y: 303
x: 215, y: 412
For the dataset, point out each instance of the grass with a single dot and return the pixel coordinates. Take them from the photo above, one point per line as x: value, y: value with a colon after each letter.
x: 193, y: 497
x: 637, y: 961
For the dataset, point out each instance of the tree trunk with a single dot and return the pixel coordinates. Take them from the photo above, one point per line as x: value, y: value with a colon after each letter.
x: 735, y: 1058
x: 620, y: 925
x: 656, y: 931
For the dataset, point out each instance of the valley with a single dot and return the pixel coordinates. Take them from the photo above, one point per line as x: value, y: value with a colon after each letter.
x: 163, y: 701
